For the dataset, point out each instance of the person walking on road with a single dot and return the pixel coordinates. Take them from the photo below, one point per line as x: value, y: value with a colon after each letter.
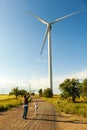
x: 36, y: 106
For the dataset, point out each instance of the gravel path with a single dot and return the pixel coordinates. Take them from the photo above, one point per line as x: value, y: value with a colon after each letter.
x: 46, y: 119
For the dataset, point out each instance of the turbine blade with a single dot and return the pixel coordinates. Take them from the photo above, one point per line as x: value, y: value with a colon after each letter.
x: 45, y: 36
x: 38, y: 18
x: 66, y: 16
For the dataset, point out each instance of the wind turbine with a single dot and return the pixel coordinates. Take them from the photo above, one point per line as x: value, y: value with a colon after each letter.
x: 48, y: 33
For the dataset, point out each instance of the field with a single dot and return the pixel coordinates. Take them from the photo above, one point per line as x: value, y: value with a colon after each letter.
x: 79, y: 108
x: 7, y: 102
x: 47, y: 118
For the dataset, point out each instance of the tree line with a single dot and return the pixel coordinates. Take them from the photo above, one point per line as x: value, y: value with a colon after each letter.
x: 73, y: 88
x: 69, y: 88
x: 19, y: 92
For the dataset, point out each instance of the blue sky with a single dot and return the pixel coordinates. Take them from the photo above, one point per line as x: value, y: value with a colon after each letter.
x: 21, y: 38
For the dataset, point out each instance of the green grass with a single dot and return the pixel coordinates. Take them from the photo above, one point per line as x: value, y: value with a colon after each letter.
x: 6, y: 96
x: 79, y: 108
x: 7, y: 102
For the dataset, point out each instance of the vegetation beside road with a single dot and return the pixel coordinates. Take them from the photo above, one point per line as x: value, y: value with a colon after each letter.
x: 68, y: 107
x: 7, y: 101
x: 79, y: 108
x: 72, y: 100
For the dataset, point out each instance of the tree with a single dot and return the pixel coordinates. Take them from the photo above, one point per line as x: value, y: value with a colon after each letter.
x: 14, y: 91
x: 22, y: 92
x: 64, y: 88
x: 48, y: 93
x: 84, y: 88
x: 70, y: 88
x: 40, y: 92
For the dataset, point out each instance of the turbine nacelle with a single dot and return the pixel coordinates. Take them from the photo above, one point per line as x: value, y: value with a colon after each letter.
x: 49, y: 24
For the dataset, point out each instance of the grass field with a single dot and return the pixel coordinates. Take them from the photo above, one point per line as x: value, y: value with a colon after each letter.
x: 5, y: 97
x: 7, y: 102
x: 79, y: 108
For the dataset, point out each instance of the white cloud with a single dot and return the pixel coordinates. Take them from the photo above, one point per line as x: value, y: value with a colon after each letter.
x: 44, y: 82
x: 37, y: 82
x: 41, y: 60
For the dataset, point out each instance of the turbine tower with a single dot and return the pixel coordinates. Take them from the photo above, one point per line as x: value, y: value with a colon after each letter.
x: 48, y: 33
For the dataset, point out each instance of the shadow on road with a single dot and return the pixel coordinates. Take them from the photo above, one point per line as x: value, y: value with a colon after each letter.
x: 54, y: 115
x: 65, y: 121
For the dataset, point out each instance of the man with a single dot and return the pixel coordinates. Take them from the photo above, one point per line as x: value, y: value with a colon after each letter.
x: 25, y: 105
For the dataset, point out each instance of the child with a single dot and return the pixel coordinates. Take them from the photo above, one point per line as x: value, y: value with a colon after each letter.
x: 36, y: 106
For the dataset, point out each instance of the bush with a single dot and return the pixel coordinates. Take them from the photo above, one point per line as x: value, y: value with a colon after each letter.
x: 40, y: 92
x: 48, y: 93
x: 3, y: 108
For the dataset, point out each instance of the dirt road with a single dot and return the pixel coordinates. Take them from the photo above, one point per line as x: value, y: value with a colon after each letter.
x: 46, y: 119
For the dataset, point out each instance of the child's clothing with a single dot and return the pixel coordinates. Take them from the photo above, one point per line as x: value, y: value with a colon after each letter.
x: 36, y: 107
